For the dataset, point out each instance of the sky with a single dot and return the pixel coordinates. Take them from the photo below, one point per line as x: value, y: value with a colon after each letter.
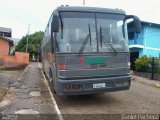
x: 18, y: 14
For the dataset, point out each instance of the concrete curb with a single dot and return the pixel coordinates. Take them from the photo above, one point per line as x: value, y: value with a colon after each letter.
x: 153, y: 84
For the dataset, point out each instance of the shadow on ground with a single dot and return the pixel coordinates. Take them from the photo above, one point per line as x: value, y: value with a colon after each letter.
x: 86, y: 100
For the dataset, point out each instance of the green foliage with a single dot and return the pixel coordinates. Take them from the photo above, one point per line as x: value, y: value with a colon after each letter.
x: 142, y: 64
x: 34, y: 41
x: 157, y: 65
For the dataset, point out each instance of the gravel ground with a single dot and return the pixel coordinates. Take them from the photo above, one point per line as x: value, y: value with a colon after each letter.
x: 6, y: 77
x: 28, y: 95
x: 2, y: 93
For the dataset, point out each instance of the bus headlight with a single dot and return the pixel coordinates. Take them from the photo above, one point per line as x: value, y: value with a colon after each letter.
x: 119, y: 84
x: 122, y: 84
x: 126, y: 83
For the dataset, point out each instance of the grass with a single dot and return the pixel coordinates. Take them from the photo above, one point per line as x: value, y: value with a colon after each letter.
x: 157, y: 85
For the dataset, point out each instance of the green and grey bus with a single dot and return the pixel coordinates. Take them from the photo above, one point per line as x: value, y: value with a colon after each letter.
x: 85, y: 50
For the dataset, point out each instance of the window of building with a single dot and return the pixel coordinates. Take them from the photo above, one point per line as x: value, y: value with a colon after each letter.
x: 1, y: 34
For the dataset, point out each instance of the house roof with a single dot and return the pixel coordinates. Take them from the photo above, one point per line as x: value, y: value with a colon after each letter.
x: 150, y: 23
x: 144, y: 23
x: 8, y: 39
x: 3, y: 29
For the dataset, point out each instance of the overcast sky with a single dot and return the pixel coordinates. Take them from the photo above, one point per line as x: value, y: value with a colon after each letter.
x: 17, y: 14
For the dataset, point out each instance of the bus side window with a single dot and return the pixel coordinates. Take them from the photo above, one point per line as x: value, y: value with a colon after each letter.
x: 51, y: 37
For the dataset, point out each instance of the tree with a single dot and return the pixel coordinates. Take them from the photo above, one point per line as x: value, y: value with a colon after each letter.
x: 34, y: 41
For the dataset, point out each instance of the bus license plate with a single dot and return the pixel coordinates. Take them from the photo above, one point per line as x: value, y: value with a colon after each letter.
x: 99, y: 85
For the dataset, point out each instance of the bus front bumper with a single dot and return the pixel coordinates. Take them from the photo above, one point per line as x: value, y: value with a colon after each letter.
x: 92, y: 86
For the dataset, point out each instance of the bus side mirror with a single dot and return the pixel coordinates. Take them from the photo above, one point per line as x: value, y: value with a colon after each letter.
x: 55, y: 24
x: 137, y: 22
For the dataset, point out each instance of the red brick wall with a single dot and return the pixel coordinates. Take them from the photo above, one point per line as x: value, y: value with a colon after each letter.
x: 7, y: 60
x: 18, y: 59
x: 4, y: 47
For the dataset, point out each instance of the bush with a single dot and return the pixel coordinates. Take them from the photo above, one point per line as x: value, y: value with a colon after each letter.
x: 142, y: 64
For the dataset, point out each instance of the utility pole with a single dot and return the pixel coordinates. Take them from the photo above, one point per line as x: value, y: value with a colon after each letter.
x: 83, y: 2
x: 27, y: 39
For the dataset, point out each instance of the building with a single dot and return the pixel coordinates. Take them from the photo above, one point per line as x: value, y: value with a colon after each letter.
x: 11, y: 60
x: 5, y: 32
x: 5, y: 46
x: 145, y: 43
x: 15, y: 40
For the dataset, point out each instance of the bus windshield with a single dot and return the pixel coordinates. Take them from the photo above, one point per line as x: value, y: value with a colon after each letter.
x: 91, y: 32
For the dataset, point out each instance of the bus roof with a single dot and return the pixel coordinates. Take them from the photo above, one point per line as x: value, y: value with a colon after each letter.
x: 90, y: 9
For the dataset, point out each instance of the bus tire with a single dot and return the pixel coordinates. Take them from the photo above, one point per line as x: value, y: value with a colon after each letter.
x: 51, y: 83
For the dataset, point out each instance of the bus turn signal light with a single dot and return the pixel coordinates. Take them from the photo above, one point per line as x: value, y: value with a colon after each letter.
x: 61, y: 66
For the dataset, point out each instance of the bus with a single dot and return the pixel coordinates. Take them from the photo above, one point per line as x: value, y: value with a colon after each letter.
x: 85, y: 50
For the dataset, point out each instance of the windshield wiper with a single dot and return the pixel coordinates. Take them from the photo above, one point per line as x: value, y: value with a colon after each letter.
x: 85, y: 41
x: 106, y: 42
x: 61, y: 25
